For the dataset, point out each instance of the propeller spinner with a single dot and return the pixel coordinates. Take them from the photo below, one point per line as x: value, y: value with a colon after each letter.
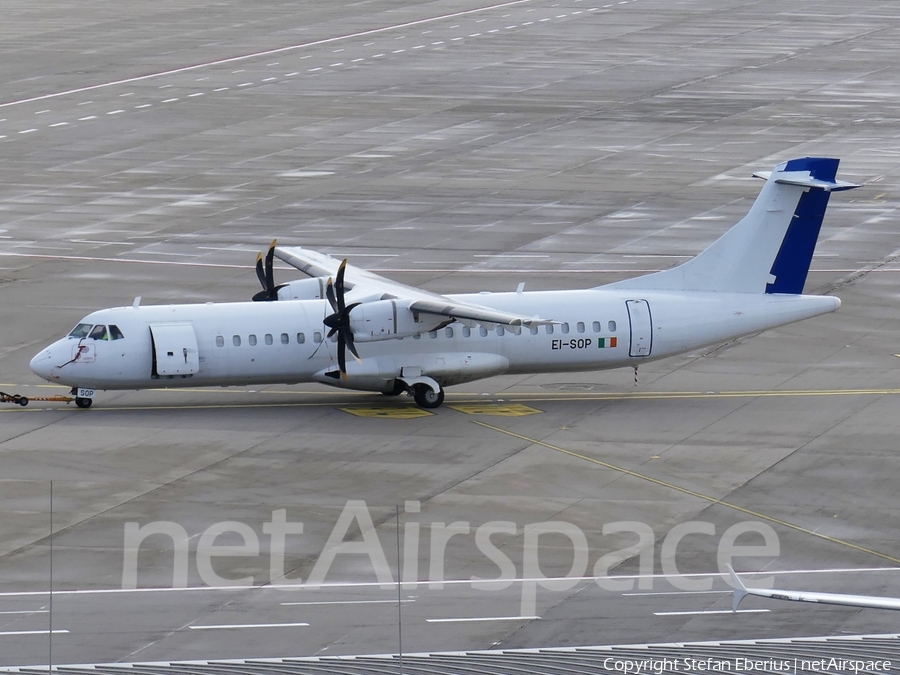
x: 339, y: 321
x: 266, y: 275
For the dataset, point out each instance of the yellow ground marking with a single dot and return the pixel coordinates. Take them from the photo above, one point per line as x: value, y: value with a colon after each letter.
x: 497, y: 409
x: 686, y: 491
x: 393, y: 412
x: 461, y: 399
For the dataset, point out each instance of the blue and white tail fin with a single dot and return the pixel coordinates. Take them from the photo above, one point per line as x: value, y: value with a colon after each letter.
x: 771, y: 248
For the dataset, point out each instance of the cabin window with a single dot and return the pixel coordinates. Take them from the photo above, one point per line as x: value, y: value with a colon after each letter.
x: 301, y: 338
x: 432, y: 334
x: 533, y: 329
x: 236, y: 340
x: 482, y: 331
x: 596, y: 326
x: 564, y: 328
x: 612, y: 326
x: 285, y: 339
x: 82, y: 330
x: 220, y: 341
x: 417, y: 336
x: 99, y: 333
x: 448, y: 332
x: 466, y: 331
x: 579, y: 326
x: 115, y: 333
x: 269, y: 338
x: 251, y: 340
x: 317, y: 337
x: 500, y: 330
x: 548, y: 329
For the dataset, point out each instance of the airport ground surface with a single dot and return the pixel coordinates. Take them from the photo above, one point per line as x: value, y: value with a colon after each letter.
x: 151, y: 149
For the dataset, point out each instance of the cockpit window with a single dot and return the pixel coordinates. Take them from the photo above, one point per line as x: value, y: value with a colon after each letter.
x: 81, y: 330
x: 99, y: 333
x: 115, y: 333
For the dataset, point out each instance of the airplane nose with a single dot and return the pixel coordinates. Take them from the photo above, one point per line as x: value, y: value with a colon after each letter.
x: 41, y: 364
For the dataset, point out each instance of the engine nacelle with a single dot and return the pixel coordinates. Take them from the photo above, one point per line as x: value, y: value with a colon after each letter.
x: 390, y: 319
x: 303, y: 289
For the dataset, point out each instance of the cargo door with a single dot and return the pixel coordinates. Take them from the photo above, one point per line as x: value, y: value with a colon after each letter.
x: 175, y: 349
x: 641, y: 327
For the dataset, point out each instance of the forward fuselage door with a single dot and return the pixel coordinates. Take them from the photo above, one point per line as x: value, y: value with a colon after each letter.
x: 641, y: 325
x: 175, y: 349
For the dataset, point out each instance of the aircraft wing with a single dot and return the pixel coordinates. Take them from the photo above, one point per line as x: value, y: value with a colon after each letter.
x: 741, y: 591
x: 366, y: 283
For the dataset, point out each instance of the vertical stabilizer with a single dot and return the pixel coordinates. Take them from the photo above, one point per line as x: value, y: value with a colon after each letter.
x: 771, y: 248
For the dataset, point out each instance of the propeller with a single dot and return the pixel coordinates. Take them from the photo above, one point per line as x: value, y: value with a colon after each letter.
x: 266, y: 275
x: 339, y: 321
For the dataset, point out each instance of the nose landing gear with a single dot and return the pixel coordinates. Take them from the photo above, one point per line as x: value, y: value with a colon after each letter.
x: 80, y: 400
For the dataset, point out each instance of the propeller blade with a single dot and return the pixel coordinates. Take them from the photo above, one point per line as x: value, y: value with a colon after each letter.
x: 342, y: 357
x: 270, y: 272
x: 329, y: 293
x: 259, y: 270
x: 339, y: 283
x: 351, y: 346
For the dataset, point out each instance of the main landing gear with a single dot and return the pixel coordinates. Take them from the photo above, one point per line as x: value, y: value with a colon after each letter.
x: 426, y: 397
x: 425, y: 391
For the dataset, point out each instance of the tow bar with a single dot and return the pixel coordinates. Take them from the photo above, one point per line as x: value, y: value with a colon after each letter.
x: 23, y: 401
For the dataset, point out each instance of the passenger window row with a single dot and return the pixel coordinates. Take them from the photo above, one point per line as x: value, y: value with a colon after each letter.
x: 550, y: 329
x: 268, y: 338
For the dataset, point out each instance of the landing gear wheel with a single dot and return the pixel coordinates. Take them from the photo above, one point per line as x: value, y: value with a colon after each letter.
x: 23, y: 401
x: 426, y: 397
x: 398, y: 389
x: 83, y: 402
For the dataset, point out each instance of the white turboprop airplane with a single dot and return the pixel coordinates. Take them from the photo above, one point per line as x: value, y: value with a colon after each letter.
x: 409, y: 340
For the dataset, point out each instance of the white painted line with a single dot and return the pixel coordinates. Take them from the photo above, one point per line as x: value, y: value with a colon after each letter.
x: 475, y: 34
x: 85, y: 102
x: 272, y: 64
x: 439, y: 42
x: 268, y: 52
x: 128, y: 93
x: 455, y: 39
x: 312, y: 70
x: 335, y: 65
x: 245, y: 84
x: 399, y: 51
x: 41, y: 112
x: 59, y: 124
x: 170, y: 100
x: 344, y: 602
x: 676, y: 593
x: 116, y: 112
x: 286, y: 75
x: 419, y: 47
x: 235, y: 72
x: 484, y: 618
x: 376, y: 56
x: 357, y: 60
x: 269, y: 79
x: 143, y: 105
x: 29, y: 611
x: 32, y: 632
x: 497, y: 30
x: 200, y: 93
x: 85, y: 119
x: 5, y: 237
x: 27, y: 131
x: 712, y: 611
x: 165, y: 86
x: 221, y: 89
x: 247, y: 625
